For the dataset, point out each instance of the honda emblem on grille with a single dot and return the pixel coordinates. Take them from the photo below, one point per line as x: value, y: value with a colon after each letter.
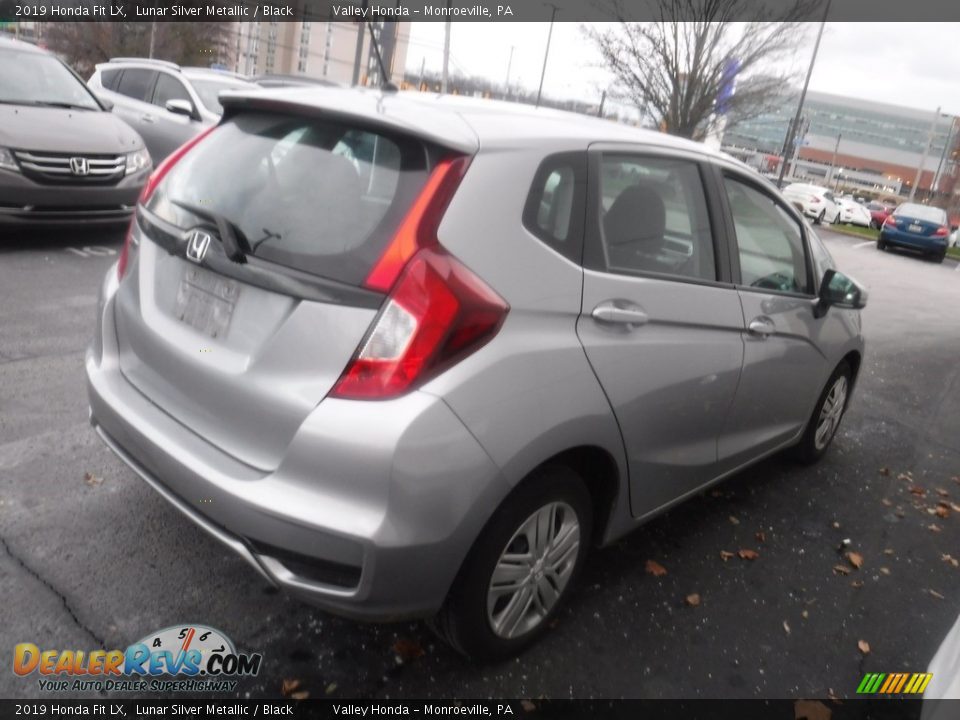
x: 79, y: 166
x: 197, y: 244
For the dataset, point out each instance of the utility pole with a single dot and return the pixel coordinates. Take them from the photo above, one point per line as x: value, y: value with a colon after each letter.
x: 804, y: 129
x: 546, y: 53
x: 943, y: 155
x: 446, y: 54
x: 833, y: 160
x: 423, y: 61
x: 153, y: 37
x: 923, y: 158
x: 603, y: 99
x: 358, y: 53
x: 792, y: 130
x: 509, y: 65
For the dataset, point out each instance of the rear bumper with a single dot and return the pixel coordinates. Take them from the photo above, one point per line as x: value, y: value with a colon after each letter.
x: 24, y: 202
x: 915, y: 242
x: 369, y: 515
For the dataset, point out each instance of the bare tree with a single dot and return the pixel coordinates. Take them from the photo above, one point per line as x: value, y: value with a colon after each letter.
x: 84, y: 44
x: 674, y: 69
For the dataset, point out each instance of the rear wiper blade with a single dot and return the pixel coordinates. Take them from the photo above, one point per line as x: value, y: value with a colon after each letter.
x: 235, y: 243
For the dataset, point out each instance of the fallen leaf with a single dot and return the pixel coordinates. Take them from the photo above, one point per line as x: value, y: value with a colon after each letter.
x: 330, y: 688
x: 856, y: 559
x: 942, y: 512
x: 899, y: 513
x: 726, y: 555
x: 288, y: 686
x: 91, y: 479
x: 693, y: 600
x: 864, y: 647
x: 408, y: 650
x: 527, y: 706
x: 949, y: 559
x: 300, y: 695
x: 654, y: 568
x: 835, y: 525
x: 933, y: 527
x: 942, y: 493
x: 857, y: 584
x: 761, y: 536
x: 905, y: 477
x: 885, y: 571
x: 805, y: 614
x: 886, y: 502
x: 748, y: 554
x: 734, y: 520
x: 956, y: 479
x: 937, y: 595
x: 918, y: 491
x: 884, y: 471
x: 811, y: 710
x: 841, y: 569
x: 786, y: 627
x: 888, y: 551
x: 955, y: 507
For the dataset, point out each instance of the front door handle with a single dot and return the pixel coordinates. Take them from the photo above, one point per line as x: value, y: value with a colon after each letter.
x: 620, y: 312
x: 761, y: 326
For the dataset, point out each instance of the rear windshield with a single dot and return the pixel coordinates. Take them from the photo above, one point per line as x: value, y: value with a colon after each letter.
x: 315, y: 195
x: 209, y: 90
x: 922, y: 212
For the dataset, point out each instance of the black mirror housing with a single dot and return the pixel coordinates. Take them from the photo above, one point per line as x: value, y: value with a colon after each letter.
x: 839, y: 290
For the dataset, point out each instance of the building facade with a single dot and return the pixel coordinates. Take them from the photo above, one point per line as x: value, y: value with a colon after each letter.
x: 856, y: 144
x: 322, y: 50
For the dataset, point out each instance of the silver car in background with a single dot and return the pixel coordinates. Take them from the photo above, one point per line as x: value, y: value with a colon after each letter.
x: 412, y: 356
x: 165, y: 103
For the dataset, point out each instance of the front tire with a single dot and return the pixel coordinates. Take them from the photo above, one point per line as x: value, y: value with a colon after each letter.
x: 521, y: 568
x: 819, y: 218
x: 825, y: 420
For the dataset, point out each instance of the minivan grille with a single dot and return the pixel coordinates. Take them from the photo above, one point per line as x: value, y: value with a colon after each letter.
x: 67, y: 168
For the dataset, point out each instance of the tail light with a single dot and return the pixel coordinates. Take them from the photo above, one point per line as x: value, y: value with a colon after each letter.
x: 941, y: 232
x: 129, y: 246
x: 437, y: 312
x: 891, y: 220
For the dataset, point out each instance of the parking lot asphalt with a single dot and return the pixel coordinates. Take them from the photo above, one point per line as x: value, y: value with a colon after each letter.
x: 91, y: 557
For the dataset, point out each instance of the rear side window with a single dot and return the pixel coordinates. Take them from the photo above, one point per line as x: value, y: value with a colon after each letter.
x: 554, y: 210
x: 109, y: 78
x: 136, y: 83
x: 654, y: 219
x: 315, y: 195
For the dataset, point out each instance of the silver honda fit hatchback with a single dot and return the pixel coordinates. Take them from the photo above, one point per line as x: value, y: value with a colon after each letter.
x: 412, y: 356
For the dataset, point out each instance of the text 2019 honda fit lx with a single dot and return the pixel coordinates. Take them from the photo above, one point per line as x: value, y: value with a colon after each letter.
x: 411, y: 356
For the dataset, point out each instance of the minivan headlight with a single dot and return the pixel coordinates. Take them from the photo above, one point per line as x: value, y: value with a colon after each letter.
x: 6, y: 160
x: 137, y: 161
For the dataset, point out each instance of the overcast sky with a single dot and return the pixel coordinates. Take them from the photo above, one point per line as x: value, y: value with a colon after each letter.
x: 915, y: 65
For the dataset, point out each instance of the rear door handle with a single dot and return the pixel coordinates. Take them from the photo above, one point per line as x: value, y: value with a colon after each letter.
x: 761, y: 327
x: 620, y: 312
x: 148, y: 118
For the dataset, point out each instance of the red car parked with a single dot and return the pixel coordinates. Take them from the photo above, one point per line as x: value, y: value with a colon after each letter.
x: 879, y: 213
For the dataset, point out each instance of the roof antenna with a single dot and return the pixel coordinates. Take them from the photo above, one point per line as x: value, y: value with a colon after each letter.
x: 385, y: 83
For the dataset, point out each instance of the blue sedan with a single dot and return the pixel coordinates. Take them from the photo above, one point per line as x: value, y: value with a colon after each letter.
x: 916, y: 227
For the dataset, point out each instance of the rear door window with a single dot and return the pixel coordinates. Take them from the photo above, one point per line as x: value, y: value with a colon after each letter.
x: 554, y: 209
x: 316, y: 195
x: 109, y: 78
x: 169, y: 88
x: 137, y: 83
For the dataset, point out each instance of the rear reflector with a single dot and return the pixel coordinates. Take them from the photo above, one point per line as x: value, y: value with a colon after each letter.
x: 419, y: 227
x: 438, y: 313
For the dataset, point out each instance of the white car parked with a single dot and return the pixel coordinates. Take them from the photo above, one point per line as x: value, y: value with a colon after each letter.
x: 854, y: 213
x: 814, y: 201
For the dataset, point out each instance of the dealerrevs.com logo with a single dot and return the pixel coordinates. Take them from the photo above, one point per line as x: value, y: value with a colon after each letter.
x: 182, y: 658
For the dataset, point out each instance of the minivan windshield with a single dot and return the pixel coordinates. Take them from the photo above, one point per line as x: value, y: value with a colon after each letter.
x: 40, y: 79
x: 319, y: 196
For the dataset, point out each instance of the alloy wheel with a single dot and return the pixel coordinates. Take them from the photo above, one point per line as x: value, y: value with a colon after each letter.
x: 831, y: 412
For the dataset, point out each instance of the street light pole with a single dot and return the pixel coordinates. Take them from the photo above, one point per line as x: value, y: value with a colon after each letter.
x: 546, y: 52
x: 792, y: 130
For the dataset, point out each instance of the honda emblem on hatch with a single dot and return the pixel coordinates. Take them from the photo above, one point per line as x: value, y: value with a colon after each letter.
x: 197, y: 244
x: 79, y: 166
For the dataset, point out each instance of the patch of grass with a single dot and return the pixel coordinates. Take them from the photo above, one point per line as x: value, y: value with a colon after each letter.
x: 953, y: 252
x: 854, y: 230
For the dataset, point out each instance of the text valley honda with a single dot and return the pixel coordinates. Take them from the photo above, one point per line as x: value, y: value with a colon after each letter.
x: 413, y: 356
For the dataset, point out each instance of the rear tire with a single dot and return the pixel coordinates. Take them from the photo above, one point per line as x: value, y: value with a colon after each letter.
x: 881, y: 243
x: 939, y: 258
x: 819, y: 219
x: 549, y: 517
x: 827, y: 414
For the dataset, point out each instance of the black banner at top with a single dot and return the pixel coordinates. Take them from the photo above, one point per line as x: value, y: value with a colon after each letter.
x: 460, y: 10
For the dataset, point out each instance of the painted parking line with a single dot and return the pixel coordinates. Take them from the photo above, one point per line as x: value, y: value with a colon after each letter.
x: 864, y: 244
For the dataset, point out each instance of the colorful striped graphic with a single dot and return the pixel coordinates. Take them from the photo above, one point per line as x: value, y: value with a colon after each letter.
x: 894, y: 683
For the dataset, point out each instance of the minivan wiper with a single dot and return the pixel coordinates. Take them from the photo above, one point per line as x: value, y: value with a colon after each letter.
x: 235, y: 243
x: 58, y: 104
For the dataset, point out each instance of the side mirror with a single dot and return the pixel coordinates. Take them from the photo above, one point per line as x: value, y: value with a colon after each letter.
x: 840, y: 290
x: 181, y: 107
x: 954, y: 228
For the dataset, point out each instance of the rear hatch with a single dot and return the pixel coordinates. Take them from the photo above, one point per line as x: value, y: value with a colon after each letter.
x: 241, y: 352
